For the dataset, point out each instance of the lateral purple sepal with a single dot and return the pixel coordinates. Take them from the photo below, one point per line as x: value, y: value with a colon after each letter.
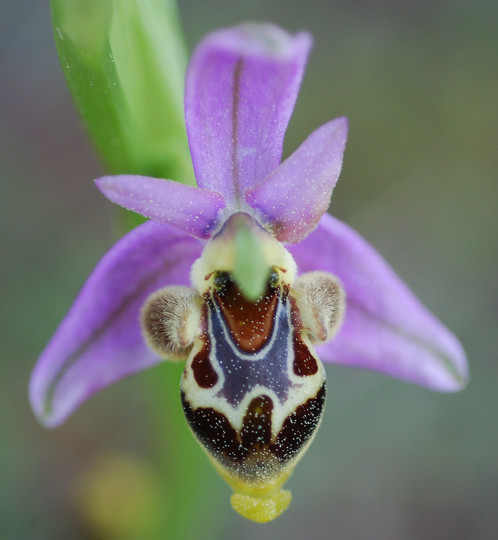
x: 296, y: 194
x: 241, y: 87
x: 100, y: 340
x: 191, y: 209
x: 386, y: 328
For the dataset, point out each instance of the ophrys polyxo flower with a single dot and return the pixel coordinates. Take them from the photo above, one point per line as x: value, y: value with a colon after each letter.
x: 253, y: 388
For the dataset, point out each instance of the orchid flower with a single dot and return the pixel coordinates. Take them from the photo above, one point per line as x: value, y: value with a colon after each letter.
x: 253, y: 388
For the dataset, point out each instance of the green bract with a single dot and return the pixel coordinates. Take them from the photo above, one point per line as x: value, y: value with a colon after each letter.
x: 124, y: 63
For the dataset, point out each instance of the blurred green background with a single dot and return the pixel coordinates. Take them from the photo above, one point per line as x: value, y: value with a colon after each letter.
x: 419, y: 83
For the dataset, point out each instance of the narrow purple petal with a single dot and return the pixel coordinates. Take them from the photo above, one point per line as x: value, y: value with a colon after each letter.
x: 386, y: 328
x: 297, y: 193
x: 191, y: 209
x: 240, y: 91
x: 100, y: 341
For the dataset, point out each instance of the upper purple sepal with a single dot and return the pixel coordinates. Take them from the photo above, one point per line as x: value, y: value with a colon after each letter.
x: 240, y: 91
x: 385, y: 328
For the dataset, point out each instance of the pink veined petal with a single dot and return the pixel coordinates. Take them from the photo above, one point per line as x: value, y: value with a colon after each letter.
x: 386, y: 328
x: 191, y: 209
x: 240, y: 91
x: 297, y: 193
x: 100, y: 341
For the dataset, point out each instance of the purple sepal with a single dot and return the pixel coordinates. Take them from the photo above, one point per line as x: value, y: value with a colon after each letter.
x: 100, y: 340
x: 386, y: 328
x: 240, y: 91
x: 191, y: 209
x: 297, y: 193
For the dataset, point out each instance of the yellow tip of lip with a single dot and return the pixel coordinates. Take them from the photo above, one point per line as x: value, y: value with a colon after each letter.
x: 261, y: 510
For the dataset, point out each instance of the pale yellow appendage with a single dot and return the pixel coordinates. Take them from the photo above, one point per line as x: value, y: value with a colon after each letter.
x: 261, y: 510
x: 259, y: 502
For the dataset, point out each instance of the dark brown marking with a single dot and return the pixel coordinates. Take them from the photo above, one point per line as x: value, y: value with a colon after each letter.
x: 304, y: 362
x: 215, y: 432
x: 204, y: 374
x: 256, y: 426
x: 299, y: 427
x: 250, y: 323
x: 252, y: 455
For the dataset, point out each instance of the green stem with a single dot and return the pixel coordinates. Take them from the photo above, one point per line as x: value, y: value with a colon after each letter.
x: 193, y: 490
